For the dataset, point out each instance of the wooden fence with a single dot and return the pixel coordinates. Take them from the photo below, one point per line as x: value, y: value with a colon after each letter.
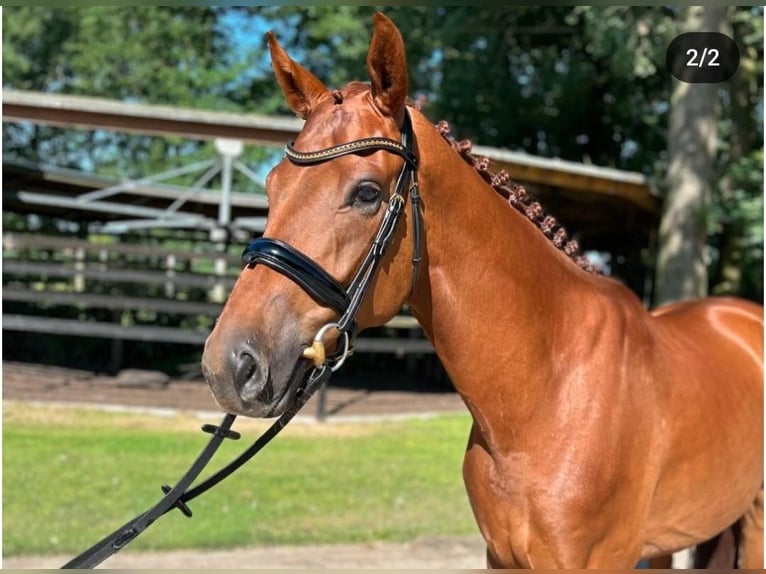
x: 122, y: 291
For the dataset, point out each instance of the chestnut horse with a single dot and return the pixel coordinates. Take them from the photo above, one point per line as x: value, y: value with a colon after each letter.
x: 602, y: 433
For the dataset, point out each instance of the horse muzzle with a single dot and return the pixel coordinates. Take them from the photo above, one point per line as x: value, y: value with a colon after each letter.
x: 247, y: 380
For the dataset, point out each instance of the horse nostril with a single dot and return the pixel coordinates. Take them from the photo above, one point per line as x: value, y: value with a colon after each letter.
x: 250, y: 374
x: 245, y: 369
x: 248, y: 367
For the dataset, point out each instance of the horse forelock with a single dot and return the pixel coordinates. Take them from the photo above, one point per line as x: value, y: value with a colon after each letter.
x: 342, y: 115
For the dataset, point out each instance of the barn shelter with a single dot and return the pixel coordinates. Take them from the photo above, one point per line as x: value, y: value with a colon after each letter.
x: 114, y: 207
x: 609, y: 211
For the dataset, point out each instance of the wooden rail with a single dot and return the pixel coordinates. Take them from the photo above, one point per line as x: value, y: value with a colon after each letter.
x: 96, y: 301
x: 100, y: 113
x: 28, y: 323
x: 20, y: 241
x: 46, y: 270
x: 52, y: 274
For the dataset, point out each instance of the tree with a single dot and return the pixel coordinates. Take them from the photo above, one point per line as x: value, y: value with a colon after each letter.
x: 681, y: 268
x: 148, y: 54
x: 578, y: 83
x: 714, y: 200
x: 583, y: 83
x: 736, y: 222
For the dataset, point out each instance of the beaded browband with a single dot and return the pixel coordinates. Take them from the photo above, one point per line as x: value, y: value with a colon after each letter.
x: 352, y: 147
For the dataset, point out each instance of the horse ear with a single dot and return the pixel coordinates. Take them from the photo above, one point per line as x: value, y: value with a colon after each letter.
x: 301, y: 88
x: 387, y: 67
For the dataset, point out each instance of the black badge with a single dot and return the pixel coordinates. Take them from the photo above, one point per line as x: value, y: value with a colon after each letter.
x: 702, y: 57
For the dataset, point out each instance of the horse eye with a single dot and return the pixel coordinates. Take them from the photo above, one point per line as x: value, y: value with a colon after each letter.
x: 366, y: 193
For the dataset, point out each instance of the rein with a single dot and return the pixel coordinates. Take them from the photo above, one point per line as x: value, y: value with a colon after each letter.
x: 326, y: 291
x: 180, y: 494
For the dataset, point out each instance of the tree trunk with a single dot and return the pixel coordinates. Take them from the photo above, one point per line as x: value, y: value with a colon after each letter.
x: 681, y: 266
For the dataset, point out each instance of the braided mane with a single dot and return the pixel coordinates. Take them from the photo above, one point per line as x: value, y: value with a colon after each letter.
x: 518, y: 197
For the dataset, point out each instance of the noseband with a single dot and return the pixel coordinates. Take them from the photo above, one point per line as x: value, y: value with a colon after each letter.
x: 317, y: 282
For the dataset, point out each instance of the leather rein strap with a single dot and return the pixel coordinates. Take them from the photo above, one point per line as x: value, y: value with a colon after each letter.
x: 324, y: 289
x: 180, y: 494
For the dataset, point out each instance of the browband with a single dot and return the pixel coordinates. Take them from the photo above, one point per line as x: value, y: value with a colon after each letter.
x: 352, y: 147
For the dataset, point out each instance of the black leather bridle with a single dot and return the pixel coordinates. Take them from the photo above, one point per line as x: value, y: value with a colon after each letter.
x: 326, y: 291
x: 317, y: 282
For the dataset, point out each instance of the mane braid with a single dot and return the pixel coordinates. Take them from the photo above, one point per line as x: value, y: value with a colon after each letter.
x: 518, y: 197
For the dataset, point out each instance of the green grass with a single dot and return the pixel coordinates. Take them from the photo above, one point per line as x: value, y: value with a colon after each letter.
x: 71, y: 476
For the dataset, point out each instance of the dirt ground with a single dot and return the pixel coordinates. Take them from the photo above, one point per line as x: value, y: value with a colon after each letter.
x: 153, y: 391
x: 432, y: 552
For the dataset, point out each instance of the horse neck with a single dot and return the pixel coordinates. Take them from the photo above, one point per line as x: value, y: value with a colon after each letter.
x: 495, y: 290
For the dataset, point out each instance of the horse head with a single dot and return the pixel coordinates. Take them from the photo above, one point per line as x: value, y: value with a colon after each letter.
x: 329, y: 206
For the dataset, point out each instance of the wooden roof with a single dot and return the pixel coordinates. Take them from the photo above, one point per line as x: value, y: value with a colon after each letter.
x: 605, y: 208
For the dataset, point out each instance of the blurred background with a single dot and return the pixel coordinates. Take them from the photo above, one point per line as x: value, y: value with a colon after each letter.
x: 136, y: 141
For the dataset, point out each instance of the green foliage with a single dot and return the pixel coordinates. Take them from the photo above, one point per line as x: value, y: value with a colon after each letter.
x: 735, y: 221
x: 578, y: 82
x: 557, y: 87
x: 744, y: 203
x: 738, y: 211
x: 148, y: 54
x: 141, y: 53
x: 583, y: 83
x: 326, y: 484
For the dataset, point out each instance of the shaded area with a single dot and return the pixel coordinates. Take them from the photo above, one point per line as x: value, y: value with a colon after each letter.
x: 346, y: 396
